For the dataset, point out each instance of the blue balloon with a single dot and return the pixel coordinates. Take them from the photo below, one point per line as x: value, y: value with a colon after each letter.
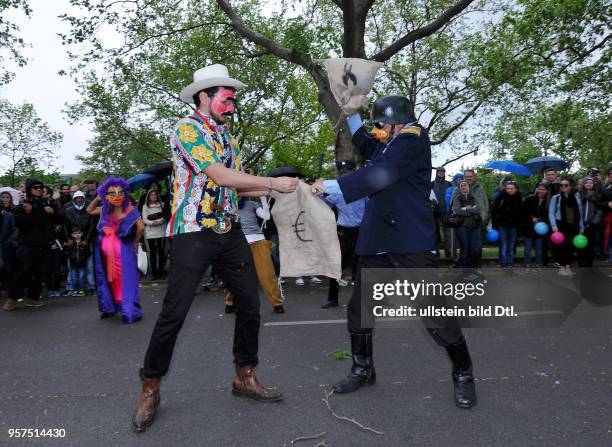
x: 541, y: 228
x: 492, y: 235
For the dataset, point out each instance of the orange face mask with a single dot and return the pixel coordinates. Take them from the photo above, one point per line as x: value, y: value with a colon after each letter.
x: 380, y: 134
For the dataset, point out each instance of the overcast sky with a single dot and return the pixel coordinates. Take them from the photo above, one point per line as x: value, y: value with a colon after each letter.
x: 39, y: 83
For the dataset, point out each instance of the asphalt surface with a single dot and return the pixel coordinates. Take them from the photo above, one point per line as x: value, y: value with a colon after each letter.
x: 63, y: 368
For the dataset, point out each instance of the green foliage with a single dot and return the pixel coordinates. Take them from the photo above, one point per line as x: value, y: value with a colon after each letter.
x: 29, y: 168
x: 26, y: 143
x: 9, y: 38
x: 499, y: 66
x: 562, y: 108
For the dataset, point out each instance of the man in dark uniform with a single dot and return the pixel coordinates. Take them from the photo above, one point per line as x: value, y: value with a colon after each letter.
x: 397, y: 229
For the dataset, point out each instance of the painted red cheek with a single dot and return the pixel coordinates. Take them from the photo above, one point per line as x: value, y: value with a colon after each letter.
x: 218, y: 108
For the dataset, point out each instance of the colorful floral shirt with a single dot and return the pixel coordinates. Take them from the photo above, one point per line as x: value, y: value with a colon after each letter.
x: 197, y: 201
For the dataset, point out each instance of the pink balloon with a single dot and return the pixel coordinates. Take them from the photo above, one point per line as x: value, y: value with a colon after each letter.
x: 557, y: 237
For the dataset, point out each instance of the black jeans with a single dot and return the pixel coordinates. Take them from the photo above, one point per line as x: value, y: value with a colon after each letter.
x: 32, y: 269
x: 156, y: 252
x: 55, y: 270
x: 443, y: 336
x: 586, y: 255
x: 190, y: 256
x: 348, y: 240
x: 564, y: 253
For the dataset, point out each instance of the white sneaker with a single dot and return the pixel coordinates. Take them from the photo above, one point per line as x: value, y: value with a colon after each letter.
x: 299, y: 281
x: 283, y: 281
x: 315, y: 280
x: 562, y: 272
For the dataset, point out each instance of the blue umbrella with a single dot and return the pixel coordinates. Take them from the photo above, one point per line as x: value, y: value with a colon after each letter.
x: 508, y: 166
x: 538, y: 164
x: 140, y: 181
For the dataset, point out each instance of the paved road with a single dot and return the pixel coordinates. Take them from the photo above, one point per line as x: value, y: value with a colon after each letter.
x: 62, y: 367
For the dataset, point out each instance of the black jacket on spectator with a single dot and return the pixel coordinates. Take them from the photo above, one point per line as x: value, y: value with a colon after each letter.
x: 507, y: 210
x: 590, y: 210
x: 471, y: 217
x: 37, y: 228
x: 604, y: 198
x: 77, y: 254
x: 78, y: 218
x: 532, y: 207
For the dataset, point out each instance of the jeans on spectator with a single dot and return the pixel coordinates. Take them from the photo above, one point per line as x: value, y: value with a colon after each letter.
x: 275, y: 253
x: 598, y: 243
x: 507, y: 239
x: 155, y: 249
x: 55, y: 270
x: 348, y: 240
x: 32, y: 268
x: 531, y: 242
x: 469, y: 252
x: 91, y: 280
x: 78, y: 277
x: 586, y: 255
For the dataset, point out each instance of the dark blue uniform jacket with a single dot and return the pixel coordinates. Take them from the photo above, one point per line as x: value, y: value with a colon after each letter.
x: 398, y: 217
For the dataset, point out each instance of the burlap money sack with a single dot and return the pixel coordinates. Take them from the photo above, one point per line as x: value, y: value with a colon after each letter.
x: 350, y: 80
x: 308, y: 242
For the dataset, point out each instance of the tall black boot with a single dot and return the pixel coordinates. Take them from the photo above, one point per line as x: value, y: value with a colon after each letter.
x: 362, y: 371
x: 463, y: 379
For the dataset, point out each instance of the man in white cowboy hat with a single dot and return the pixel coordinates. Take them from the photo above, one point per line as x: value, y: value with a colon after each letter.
x: 205, y: 229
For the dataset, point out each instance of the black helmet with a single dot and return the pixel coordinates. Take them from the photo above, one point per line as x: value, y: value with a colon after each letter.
x: 393, y: 109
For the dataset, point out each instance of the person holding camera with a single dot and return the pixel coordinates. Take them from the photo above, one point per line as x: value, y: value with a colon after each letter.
x: 35, y: 219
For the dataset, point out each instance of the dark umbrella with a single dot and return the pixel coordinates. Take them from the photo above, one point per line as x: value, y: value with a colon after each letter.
x: 508, y: 166
x: 538, y: 164
x: 140, y: 181
x: 161, y: 169
x: 285, y: 171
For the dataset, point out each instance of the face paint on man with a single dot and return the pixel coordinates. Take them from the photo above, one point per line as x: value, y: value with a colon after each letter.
x: 222, y: 105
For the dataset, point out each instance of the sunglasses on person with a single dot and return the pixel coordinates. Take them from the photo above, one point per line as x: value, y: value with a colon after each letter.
x: 565, y: 185
x: 37, y: 187
x: 115, y: 193
x: 378, y: 125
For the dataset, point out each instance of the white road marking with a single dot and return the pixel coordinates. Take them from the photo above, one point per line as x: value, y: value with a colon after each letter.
x: 300, y: 323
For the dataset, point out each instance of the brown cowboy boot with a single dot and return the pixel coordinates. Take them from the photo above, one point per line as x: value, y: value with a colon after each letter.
x: 247, y: 384
x: 147, y: 404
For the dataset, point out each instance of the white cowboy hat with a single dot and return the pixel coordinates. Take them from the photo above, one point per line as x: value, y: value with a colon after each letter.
x: 211, y: 76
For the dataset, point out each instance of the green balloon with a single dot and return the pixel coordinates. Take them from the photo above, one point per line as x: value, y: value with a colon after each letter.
x: 580, y: 241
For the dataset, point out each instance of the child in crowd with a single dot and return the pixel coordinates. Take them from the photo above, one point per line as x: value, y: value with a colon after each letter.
x: 77, y: 251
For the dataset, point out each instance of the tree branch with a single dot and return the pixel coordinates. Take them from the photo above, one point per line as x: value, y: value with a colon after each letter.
x: 258, y: 38
x: 459, y: 157
x: 169, y: 33
x: 461, y: 122
x: 419, y: 33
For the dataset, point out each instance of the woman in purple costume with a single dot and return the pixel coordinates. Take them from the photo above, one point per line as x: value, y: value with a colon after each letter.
x: 119, y: 232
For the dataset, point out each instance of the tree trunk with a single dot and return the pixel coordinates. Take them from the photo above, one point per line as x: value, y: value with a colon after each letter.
x: 354, y: 21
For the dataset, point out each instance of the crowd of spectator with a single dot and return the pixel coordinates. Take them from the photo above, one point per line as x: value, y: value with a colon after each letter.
x: 47, y: 237
x: 582, y: 207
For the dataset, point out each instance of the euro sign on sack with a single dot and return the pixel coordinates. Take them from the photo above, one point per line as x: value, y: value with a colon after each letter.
x: 308, y: 241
